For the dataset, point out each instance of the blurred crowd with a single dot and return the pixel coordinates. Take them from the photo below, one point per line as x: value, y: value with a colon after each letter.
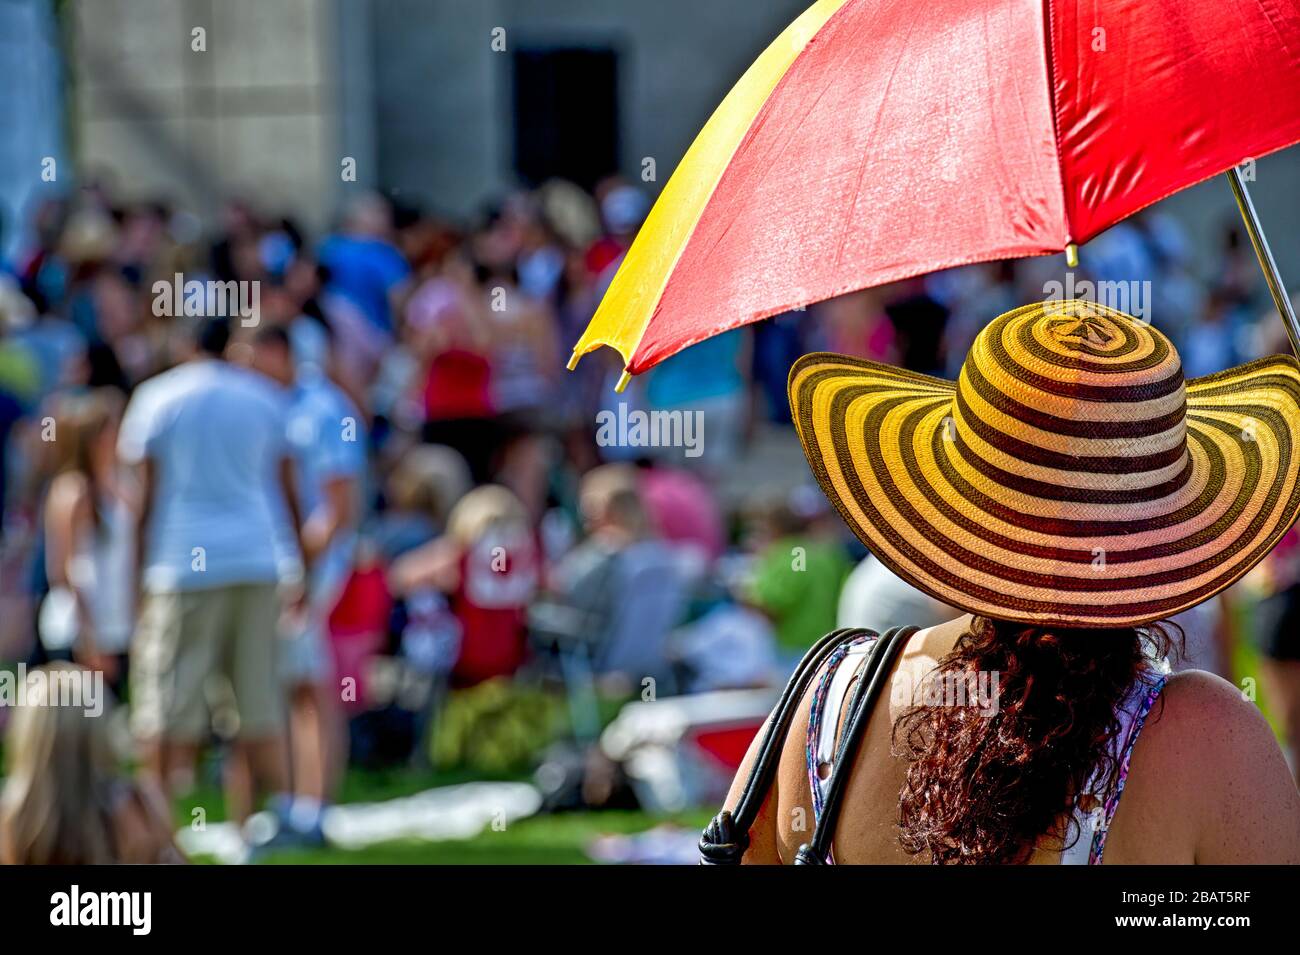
x: 451, y: 518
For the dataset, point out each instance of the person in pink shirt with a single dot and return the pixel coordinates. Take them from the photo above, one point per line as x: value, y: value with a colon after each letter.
x: 682, y: 509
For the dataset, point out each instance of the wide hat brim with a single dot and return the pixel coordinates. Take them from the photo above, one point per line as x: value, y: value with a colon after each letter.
x: 876, y: 439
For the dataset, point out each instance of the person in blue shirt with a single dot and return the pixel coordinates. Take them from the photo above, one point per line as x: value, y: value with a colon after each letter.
x: 710, y: 381
x: 326, y: 437
x: 362, y: 264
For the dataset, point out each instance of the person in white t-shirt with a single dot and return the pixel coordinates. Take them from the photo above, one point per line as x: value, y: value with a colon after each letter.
x: 209, y: 444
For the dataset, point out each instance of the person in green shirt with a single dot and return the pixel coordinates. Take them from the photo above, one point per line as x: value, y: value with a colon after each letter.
x: 799, y: 567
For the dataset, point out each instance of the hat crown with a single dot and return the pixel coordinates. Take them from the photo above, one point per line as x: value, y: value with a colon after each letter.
x: 1070, y: 478
x: 1073, y: 386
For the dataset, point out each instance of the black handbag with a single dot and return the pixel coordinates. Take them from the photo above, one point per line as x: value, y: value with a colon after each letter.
x: 726, y: 838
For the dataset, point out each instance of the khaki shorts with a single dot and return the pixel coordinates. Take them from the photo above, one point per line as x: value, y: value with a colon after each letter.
x: 188, y: 640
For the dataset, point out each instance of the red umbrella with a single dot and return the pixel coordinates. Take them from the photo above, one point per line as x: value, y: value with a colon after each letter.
x: 876, y: 140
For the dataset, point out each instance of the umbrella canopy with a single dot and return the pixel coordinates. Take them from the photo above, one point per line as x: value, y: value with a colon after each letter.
x: 876, y: 140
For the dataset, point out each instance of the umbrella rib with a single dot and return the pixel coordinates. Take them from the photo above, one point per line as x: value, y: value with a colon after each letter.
x: 1049, y: 55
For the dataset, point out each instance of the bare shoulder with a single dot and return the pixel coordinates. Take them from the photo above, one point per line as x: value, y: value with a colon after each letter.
x: 936, y: 642
x: 1202, y: 722
x: 923, y: 653
x: 1220, y: 761
x: 1197, y: 701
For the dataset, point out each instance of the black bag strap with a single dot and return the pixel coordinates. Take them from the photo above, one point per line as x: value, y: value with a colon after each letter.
x: 726, y: 838
x: 873, y: 674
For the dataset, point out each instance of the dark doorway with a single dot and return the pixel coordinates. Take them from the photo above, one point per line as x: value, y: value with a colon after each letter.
x: 566, y: 114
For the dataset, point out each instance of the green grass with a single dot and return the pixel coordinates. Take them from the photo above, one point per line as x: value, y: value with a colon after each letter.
x: 558, y: 839
x: 539, y: 840
x: 359, y: 785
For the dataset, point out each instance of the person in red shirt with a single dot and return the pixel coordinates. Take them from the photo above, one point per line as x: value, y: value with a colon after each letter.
x: 488, y: 568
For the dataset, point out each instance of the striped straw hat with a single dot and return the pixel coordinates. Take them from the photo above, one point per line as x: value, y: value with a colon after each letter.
x: 1070, y: 476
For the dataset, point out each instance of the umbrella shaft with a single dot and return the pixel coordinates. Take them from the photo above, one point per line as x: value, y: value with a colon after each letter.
x: 1276, y: 287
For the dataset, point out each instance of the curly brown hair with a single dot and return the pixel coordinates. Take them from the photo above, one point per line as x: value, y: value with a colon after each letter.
x: 987, y: 788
